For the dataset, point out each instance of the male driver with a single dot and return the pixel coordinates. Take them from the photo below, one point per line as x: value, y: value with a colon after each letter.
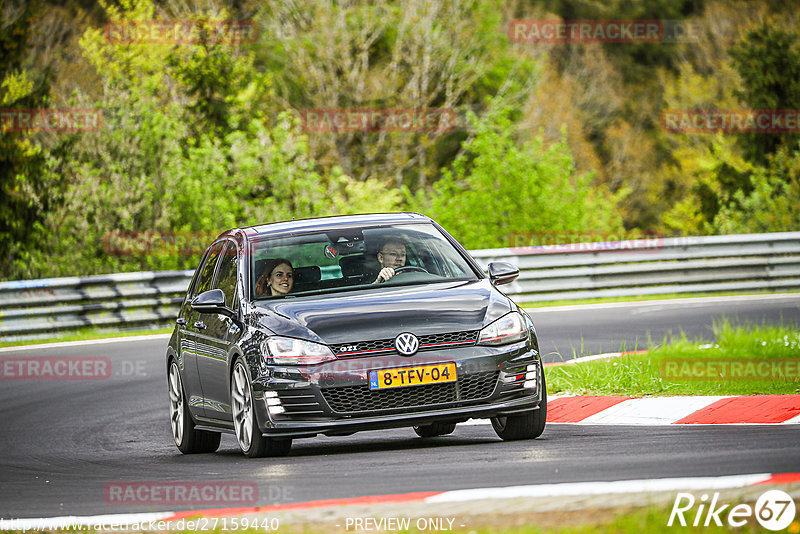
x: 392, y: 256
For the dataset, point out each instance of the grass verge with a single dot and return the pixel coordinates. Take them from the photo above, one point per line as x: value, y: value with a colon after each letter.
x: 744, y: 360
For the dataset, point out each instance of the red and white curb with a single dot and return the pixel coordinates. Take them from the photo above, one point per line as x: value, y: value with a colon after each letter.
x: 706, y: 410
x: 698, y: 410
x: 570, y: 489
x: 656, y: 411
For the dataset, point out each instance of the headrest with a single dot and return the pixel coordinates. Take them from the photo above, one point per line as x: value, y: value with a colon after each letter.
x: 352, y: 266
x: 307, y: 275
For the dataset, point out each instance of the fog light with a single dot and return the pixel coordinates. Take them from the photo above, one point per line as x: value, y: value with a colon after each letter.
x: 531, y: 377
x: 273, y: 403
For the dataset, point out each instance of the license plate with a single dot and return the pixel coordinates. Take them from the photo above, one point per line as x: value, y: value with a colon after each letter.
x: 412, y: 376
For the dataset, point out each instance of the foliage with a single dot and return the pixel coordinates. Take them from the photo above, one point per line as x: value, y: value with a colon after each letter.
x: 416, y: 54
x: 773, y: 205
x: 23, y: 182
x: 511, y: 189
x: 768, y: 59
x: 205, y: 136
x: 717, y: 175
x: 184, y: 148
x: 728, y: 182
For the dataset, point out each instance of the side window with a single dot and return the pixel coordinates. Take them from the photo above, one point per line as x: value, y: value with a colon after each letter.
x: 226, y: 277
x: 193, y: 284
x: 207, y: 273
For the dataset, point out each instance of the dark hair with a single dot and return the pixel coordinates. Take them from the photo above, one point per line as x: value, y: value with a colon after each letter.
x: 262, y: 280
x: 274, y: 263
x: 391, y: 240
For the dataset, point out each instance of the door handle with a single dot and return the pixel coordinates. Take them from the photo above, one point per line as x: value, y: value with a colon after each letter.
x: 181, y: 321
x: 200, y: 325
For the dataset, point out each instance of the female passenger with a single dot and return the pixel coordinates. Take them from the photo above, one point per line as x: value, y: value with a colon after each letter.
x: 277, y: 279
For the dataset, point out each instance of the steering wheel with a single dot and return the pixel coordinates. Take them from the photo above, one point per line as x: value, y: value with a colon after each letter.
x: 409, y: 268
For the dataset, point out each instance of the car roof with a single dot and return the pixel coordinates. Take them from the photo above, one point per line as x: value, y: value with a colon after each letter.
x: 332, y: 223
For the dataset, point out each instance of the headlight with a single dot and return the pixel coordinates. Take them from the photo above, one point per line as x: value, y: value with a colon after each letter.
x: 291, y: 351
x: 507, y: 329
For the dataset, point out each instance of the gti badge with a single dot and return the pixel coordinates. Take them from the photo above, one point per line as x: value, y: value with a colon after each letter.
x: 406, y: 344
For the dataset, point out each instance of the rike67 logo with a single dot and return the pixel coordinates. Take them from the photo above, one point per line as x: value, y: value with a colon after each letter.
x: 774, y: 510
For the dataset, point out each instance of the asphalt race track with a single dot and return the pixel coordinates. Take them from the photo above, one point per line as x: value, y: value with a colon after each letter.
x: 64, y: 442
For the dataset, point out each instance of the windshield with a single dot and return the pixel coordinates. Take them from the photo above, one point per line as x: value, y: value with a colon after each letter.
x: 354, y: 259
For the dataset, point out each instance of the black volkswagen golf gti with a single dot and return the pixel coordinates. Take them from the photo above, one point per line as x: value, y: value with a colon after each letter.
x: 340, y: 324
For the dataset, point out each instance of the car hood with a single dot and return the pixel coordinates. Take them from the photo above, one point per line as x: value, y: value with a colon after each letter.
x: 384, y: 312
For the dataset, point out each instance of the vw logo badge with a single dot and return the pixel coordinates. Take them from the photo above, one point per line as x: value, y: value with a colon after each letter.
x: 406, y: 344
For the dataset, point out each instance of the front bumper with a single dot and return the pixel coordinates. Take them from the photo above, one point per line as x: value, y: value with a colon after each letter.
x: 334, y: 397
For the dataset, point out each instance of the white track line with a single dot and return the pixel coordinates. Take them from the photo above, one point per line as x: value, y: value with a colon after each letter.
x: 110, y: 522
x: 600, y: 488
x: 662, y: 302
x: 793, y: 420
x: 60, y: 344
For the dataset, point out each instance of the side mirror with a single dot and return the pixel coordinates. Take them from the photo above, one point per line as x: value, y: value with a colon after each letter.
x: 211, y: 301
x: 501, y: 272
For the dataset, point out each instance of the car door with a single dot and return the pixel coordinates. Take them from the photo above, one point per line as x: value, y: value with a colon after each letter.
x: 196, y: 327
x: 218, y: 338
x: 186, y: 345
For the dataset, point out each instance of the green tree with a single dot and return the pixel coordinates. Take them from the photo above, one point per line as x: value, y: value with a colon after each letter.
x: 713, y: 174
x: 773, y: 205
x: 498, y: 190
x: 385, y: 54
x: 768, y: 60
x: 23, y: 180
x: 175, y: 155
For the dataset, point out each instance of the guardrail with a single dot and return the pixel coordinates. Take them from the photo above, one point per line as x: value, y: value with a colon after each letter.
x: 657, y: 266
x: 31, y: 309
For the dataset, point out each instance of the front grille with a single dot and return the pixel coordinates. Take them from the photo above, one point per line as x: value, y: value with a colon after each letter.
x: 363, y: 346
x: 354, y: 399
x: 428, y: 342
x: 450, y: 338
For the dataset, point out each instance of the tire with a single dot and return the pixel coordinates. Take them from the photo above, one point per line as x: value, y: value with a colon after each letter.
x: 252, y: 443
x: 529, y: 425
x: 186, y: 437
x: 434, y: 429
